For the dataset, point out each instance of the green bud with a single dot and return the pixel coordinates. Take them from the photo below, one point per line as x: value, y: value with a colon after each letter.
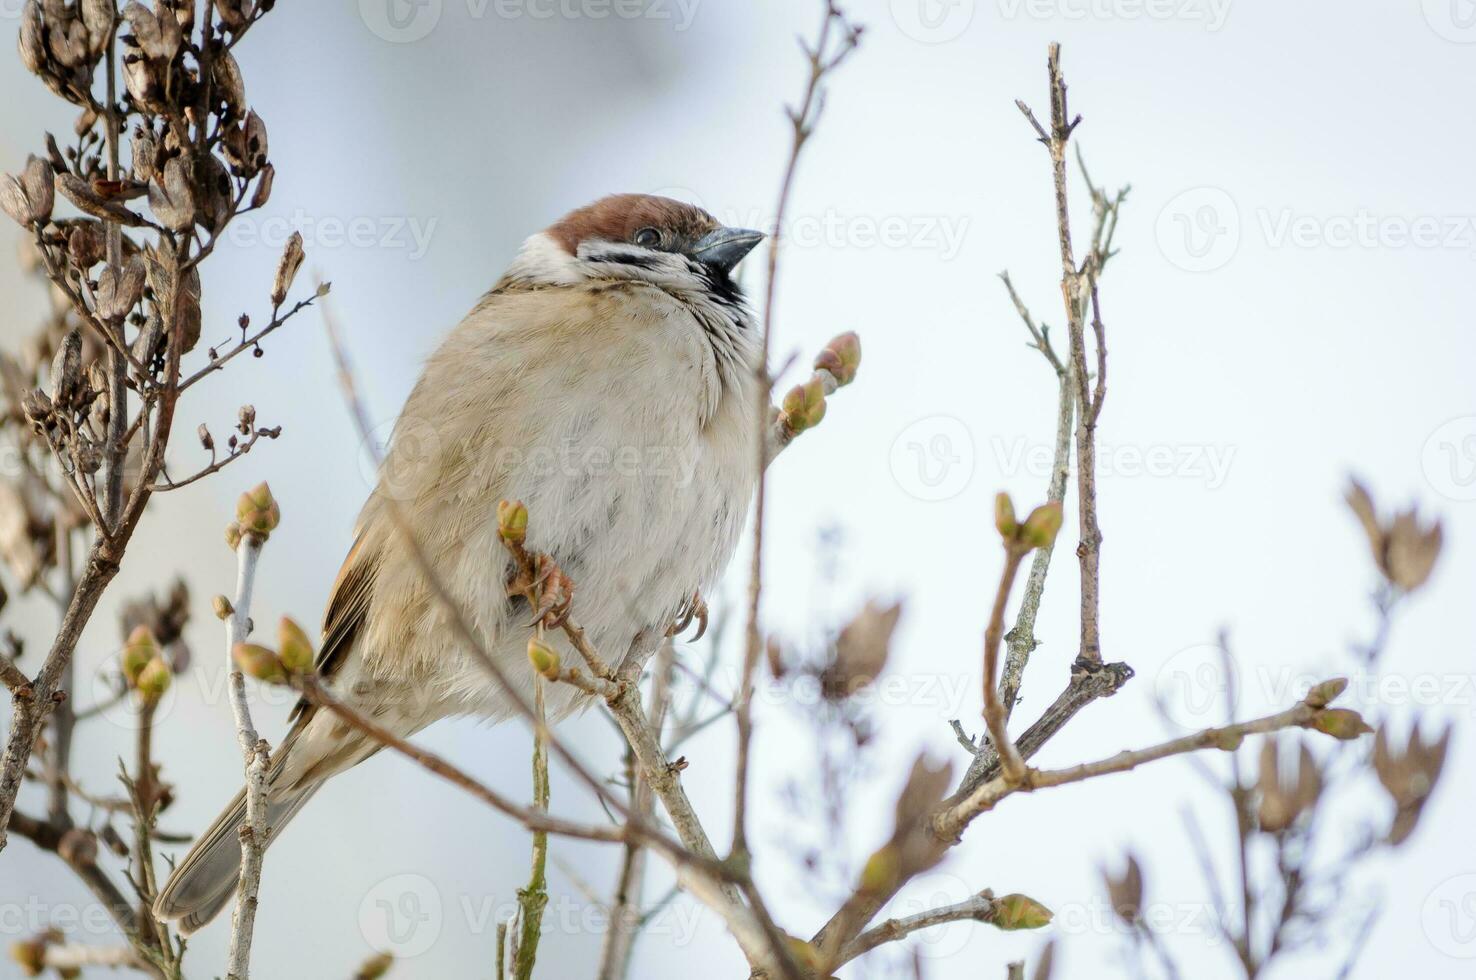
x: 512, y: 521
x: 1020, y: 912
x: 1341, y: 723
x: 375, y: 967
x: 804, y: 405
x: 140, y: 648
x: 222, y: 607
x: 1324, y: 694
x: 1041, y: 526
x: 841, y: 357
x: 295, y: 649
x: 257, y: 661
x: 154, y: 679
x: 30, y: 955
x: 260, y: 496
x: 233, y: 536
x: 1004, y: 516
x: 879, y: 875
x: 544, y: 658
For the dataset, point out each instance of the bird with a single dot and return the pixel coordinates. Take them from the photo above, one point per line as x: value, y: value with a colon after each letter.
x: 609, y: 381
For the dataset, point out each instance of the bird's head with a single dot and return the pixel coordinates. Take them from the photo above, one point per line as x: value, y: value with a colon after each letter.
x: 674, y: 246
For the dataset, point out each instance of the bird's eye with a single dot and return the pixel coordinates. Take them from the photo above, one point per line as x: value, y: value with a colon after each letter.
x: 647, y: 238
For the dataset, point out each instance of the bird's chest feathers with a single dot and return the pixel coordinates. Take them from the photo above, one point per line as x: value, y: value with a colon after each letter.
x: 642, y: 486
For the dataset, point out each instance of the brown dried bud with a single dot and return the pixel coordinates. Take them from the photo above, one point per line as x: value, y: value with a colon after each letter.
x: 1285, y: 796
x: 77, y: 847
x: 206, y: 439
x: 1404, y: 550
x: 30, y: 955
x: 1126, y: 891
x: 222, y: 608
x: 292, y: 256
x: 375, y: 967
x: 861, y: 650
x: 1409, y: 776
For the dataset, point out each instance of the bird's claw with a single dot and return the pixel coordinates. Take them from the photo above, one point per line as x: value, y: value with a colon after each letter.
x: 694, y: 607
x: 553, y: 588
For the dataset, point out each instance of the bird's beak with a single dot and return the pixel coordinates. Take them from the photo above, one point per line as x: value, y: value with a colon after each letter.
x: 724, y: 248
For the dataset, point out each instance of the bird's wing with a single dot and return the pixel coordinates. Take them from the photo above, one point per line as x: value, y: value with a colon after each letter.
x: 347, y: 605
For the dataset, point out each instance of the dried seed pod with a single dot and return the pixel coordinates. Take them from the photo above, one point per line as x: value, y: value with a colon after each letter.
x: 66, y: 370
x: 88, y: 201
x: 98, y: 16
x: 145, y: 156
x: 1125, y: 891
x: 861, y: 650
x: 172, y: 196
x: 32, y: 42
x: 230, y: 86
x: 263, y: 190
x: 85, y: 245
x: 291, y: 261
x: 29, y: 198
x: 118, y: 294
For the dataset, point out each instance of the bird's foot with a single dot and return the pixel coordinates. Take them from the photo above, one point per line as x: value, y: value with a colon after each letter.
x: 547, y: 588
x: 693, y: 608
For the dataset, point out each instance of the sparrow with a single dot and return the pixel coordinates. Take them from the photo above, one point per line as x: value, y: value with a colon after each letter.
x: 609, y: 381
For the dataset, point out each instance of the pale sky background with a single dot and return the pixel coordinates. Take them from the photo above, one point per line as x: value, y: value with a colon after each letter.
x: 1291, y: 304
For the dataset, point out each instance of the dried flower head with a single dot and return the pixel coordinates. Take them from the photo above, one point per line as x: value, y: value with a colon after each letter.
x: 1409, y: 776
x: 1404, y: 549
